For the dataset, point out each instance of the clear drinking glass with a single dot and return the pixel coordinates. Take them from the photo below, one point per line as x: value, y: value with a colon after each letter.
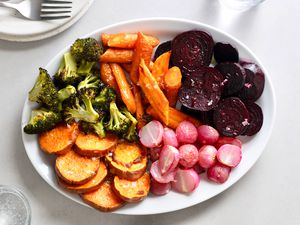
x: 240, y: 5
x: 14, y: 207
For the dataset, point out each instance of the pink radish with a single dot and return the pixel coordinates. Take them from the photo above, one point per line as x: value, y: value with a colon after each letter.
x: 169, y: 137
x: 228, y: 140
x: 207, y: 156
x: 154, y: 153
x: 186, y: 133
x: 218, y: 173
x: 156, y: 174
x: 229, y: 155
x: 186, y: 180
x: 168, y: 159
x: 207, y: 135
x: 188, y: 155
x: 151, y: 134
x: 159, y: 188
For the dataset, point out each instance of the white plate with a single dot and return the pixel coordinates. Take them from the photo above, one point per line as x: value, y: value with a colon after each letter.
x: 14, y: 28
x: 165, y: 29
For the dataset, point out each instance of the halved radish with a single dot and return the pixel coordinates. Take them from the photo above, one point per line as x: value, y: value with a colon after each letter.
x: 186, y: 133
x: 186, y: 180
x: 169, y: 137
x: 168, y: 159
x: 156, y: 174
x: 229, y: 155
x: 159, y: 188
x: 188, y: 154
x: 207, y: 156
x: 207, y: 135
x: 218, y: 173
x: 151, y: 134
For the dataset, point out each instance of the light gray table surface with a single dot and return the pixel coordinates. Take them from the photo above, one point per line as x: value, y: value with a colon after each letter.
x: 267, y: 194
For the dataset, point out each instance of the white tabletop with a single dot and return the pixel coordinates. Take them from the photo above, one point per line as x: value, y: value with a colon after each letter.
x: 267, y: 194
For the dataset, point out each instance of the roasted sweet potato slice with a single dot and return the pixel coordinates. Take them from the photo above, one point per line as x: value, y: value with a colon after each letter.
x: 128, y: 161
x: 104, y: 198
x: 94, y: 146
x: 132, y: 191
x: 60, y: 139
x: 91, y: 185
x: 76, y: 169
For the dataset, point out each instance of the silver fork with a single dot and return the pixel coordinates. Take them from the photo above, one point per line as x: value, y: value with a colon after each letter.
x: 42, y: 9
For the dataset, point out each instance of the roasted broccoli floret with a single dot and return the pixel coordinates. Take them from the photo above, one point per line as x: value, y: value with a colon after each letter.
x: 77, y: 112
x: 85, y: 67
x: 88, y: 49
x: 131, y: 134
x: 106, y: 95
x: 67, y: 71
x: 44, y: 91
x: 64, y: 94
x: 118, y: 122
x: 89, y: 86
x: 97, y: 128
x: 41, y: 120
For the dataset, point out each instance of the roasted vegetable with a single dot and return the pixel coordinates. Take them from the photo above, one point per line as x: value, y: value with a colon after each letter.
x: 118, y: 122
x: 44, y: 91
x: 41, y: 120
x: 89, y: 86
x: 97, y: 128
x: 131, y: 134
x: 84, y: 112
x: 64, y: 94
x: 67, y: 71
x: 106, y: 95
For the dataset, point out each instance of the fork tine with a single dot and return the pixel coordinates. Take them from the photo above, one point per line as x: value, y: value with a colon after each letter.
x: 58, y: 1
x: 56, y: 7
x: 54, y: 12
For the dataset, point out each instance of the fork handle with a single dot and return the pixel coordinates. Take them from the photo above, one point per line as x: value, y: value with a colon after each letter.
x: 8, y: 5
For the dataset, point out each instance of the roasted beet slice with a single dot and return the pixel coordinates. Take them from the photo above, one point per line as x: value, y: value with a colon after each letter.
x: 255, y: 118
x: 234, y: 76
x: 224, y: 52
x: 206, y: 117
x: 231, y: 117
x: 254, y: 83
x: 192, y: 50
x: 202, y: 90
x: 162, y: 48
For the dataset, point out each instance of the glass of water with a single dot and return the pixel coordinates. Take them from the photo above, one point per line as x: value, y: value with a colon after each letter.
x: 240, y: 5
x: 14, y: 207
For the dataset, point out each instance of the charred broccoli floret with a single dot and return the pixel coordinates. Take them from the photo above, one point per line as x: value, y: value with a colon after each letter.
x: 44, y: 91
x: 97, y: 128
x: 89, y: 86
x: 67, y: 71
x: 88, y: 49
x: 64, y: 94
x: 118, y: 122
x: 85, y: 67
x: 78, y: 112
x: 42, y: 120
x: 106, y: 95
x: 131, y: 134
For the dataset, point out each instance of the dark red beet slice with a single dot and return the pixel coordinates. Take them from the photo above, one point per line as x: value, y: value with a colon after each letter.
x: 231, y: 117
x: 162, y: 48
x: 254, y: 83
x: 192, y: 50
x: 224, y: 52
x: 234, y: 76
x: 206, y: 117
x: 202, y: 90
x: 255, y: 118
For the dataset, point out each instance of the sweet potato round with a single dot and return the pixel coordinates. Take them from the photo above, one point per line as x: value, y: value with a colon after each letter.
x: 104, y: 198
x: 128, y: 161
x: 60, y: 139
x: 91, y: 185
x: 75, y: 169
x: 132, y: 191
x: 92, y: 145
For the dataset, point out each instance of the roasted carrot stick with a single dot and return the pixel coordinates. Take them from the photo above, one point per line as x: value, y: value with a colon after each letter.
x: 161, y: 66
x: 142, y: 50
x: 153, y: 93
x: 172, y: 84
x: 107, y: 76
x: 125, y: 40
x: 139, y: 114
x: 124, y: 87
x: 126, y: 67
x: 175, y: 117
x: 117, y: 55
